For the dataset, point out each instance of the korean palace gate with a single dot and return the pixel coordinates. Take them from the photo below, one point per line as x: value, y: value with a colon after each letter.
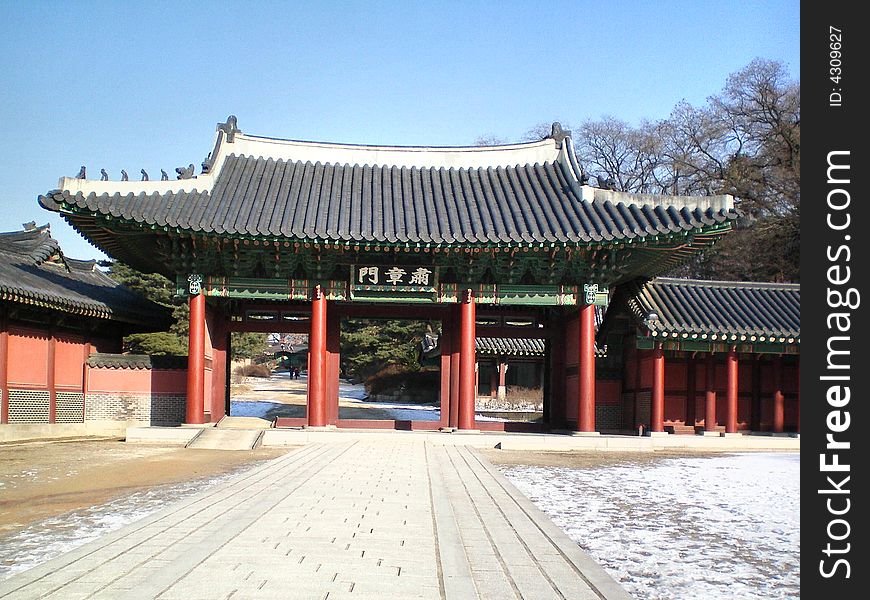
x: 505, y: 242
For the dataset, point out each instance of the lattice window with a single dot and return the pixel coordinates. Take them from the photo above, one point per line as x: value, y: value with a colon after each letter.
x: 70, y: 407
x: 28, y: 406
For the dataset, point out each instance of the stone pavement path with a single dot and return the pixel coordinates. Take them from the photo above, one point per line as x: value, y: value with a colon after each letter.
x: 403, y: 519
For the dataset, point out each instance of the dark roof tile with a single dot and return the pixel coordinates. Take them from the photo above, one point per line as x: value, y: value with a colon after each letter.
x: 34, y: 271
x: 729, y: 310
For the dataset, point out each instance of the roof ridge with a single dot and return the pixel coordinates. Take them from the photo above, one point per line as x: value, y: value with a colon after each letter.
x: 33, y: 243
x: 723, y: 283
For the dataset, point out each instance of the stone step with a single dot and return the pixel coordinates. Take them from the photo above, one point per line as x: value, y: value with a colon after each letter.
x: 244, y: 423
x: 213, y: 438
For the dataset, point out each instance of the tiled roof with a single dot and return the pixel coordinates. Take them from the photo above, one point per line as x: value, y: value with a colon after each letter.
x: 262, y: 187
x: 510, y: 205
x: 34, y: 271
x: 719, y: 310
x: 136, y: 361
x: 509, y: 347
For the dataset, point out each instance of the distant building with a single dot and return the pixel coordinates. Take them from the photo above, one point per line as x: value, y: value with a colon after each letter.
x: 55, y: 312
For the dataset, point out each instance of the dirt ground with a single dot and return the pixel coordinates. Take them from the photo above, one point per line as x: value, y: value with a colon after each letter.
x: 43, y: 479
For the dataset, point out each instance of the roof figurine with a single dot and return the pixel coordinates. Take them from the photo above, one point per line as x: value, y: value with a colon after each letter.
x: 103, y: 175
x: 144, y: 174
x: 558, y: 134
x: 164, y: 176
x: 229, y: 128
x: 185, y: 172
x: 82, y: 173
x: 124, y: 176
x: 607, y: 183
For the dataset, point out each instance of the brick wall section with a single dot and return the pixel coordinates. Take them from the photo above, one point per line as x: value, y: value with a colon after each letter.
x: 608, y: 416
x: 644, y: 406
x: 154, y: 409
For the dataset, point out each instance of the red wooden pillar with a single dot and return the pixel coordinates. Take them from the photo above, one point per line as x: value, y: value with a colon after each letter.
x: 755, y: 403
x: 51, y: 376
x: 467, y: 361
x: 586, y: 370
x: 494, y: 377
x: 501, y: 391
x: 446, y: 343
x: 558, y: 401
x: 454, y: 368
x: 216, y: 322
x: 731, y: 393
x: 86, y: 372
x: 690, y: 390
x: 778, y: 397
x: 798, y: 405
x: 710, y: 396
x: 657, y: 418
x: 333, y: 366
x: 4, y: 367
x: 317, y: 410
x: 195, y: 414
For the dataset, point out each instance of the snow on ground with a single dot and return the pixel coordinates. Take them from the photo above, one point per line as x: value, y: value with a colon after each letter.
x: 46, y: 539
x: 252, y: 408
x: 351, y: 395
x: 682, y: 528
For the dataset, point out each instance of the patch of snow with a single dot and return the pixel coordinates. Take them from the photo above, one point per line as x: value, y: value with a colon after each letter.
x: 682, y: 528
x: 49, y: 538
x: 252, y: 408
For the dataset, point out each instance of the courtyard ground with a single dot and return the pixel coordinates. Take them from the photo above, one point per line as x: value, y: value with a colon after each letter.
x: 46, y: 479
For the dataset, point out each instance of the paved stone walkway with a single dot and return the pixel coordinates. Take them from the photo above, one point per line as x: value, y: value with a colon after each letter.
x: 403, y: 519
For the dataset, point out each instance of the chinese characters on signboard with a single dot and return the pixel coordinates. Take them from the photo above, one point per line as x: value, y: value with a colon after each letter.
x: 395, y: 276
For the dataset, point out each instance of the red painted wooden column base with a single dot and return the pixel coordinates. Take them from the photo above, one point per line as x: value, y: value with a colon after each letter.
x: 333, y: 365
x: 731, y: 395
x: 657, y: 418
x: 195, y: 414
x: 454, y: 368
x: 446, y: 342
x: 690, y: 391
x: 494, y: 373
x: 798, y: 405
x: 317, y: 410
x: 586, y: 370
x: 4, y: 367
x: 467, y: 361
x: 710, y: 396
x: 778, y: 397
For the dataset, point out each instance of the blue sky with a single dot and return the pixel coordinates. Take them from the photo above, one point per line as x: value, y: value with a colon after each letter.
x: 127, y: 85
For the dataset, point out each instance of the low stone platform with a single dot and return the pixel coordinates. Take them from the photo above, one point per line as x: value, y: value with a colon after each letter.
x: 353, y: 517
x: 508, y: 441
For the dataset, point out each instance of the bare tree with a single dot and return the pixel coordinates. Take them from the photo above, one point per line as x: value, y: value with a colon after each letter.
x: 745, y: 141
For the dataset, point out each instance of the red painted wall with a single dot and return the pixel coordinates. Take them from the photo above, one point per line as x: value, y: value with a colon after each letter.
x: 70, y: 356
x: 637, y: 380
x: 608, y: 392
x: 137, y: 381
x: 28, y: 358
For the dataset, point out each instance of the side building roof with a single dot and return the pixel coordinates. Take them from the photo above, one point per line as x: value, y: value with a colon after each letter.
x: 735, y: 311
x: 34, y: 271
x: 285, y: 190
